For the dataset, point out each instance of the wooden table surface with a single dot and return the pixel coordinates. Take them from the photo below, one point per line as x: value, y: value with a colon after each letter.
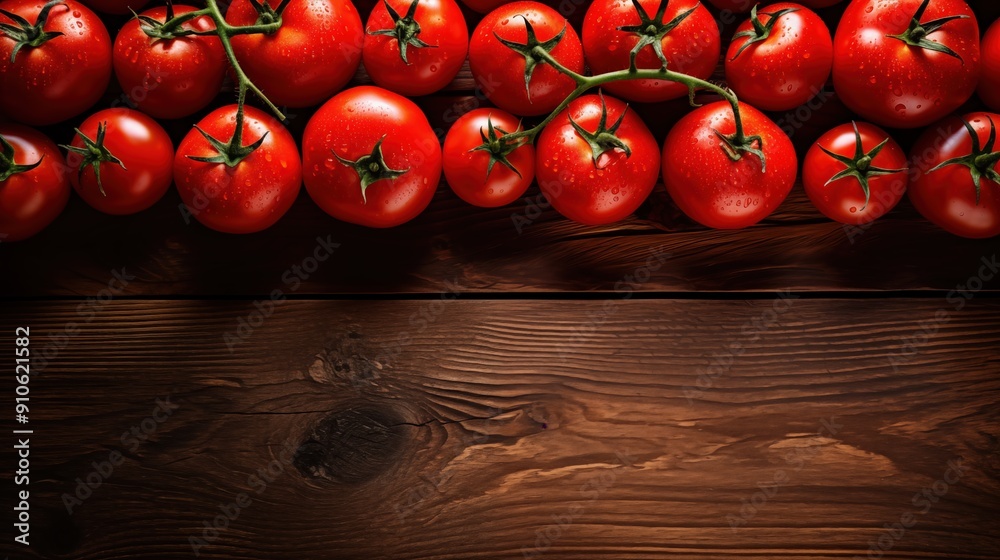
x: 507, y: 384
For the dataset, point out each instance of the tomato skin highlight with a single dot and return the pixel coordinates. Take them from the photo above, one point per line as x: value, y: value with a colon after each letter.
x: 499, y: 70
x: 31, y: 200
x: 789, y: 67
x: 947, y: 197
x: 350, y: 125
x: 169, y: 79
x: 465, y: 169
x: 602, y: 193
x: 64, y: 76
x: 989, y: 83
x: 837, y: 199
x: 314, y: 54
x: 712, y: 189
x: 690, y: 48
x: 893, y: 84
x: 430, y: 69
x: 144, y: 149
x: 253, y: 195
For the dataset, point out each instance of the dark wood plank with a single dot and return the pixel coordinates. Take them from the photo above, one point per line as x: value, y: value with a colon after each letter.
x: 454, y: 429
x: 526, y: 247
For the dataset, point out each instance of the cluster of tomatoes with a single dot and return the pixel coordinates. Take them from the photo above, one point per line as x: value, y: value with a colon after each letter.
x: 369, y: 155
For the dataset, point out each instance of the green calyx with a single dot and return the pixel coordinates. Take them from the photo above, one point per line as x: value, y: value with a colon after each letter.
x: 498, y: 146
x: 860, y: 166
x: 405, y: 29
x: 982, y: 161
x: 529, y: 52
x: 26, y: 34
x: 7, y: 166
x: 652, y: 30
x: 94, y: 154
x: 267, y: 15
x: 760, y: 31
x: 170, y: 28
x: 916, y: 34
x: 371, y: 168
x: 233, y: 152
x: 603, y: 139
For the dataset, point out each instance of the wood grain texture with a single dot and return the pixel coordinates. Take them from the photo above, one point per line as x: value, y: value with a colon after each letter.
x: 526, y: 247
x: 455, y: 429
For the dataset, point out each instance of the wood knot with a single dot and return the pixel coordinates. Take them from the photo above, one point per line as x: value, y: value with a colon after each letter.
x: 351, y: 446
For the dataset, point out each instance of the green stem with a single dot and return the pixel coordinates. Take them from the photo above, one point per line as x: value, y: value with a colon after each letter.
x: 587, y: 83
x: 224, y: 31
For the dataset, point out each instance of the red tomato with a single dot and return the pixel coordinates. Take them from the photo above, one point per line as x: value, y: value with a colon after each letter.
x: 34, y: 187
x: 989, y: 83
x: 685, y: 33
x: 435, y: 38
x: 481, y: 177
x: 132, y: 155
x: 779, y: 63
x: 169, y: 78
x: 116, y: 7
x: 597, y: 164
x: 855, y: 175
x: 314, y: 54
x: 255, y: 192
x: 371, y: 158
x: 64, y: 75
x: 948, y: 161
x: 711, y: 188
x: 500, y: 71
x: 893, y: 83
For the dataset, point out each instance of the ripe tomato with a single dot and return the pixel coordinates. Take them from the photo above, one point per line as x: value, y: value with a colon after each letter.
x: 418, y: 47
x: 116, y: 7
x: 597, y: 161
x: 956, y: 175
x: 482, y: 177
x: 503, y: 72
x: 711, y: 188
x: 855, y: 173
x: 780, y: 58
x: 169, y: 78
x: 65, y: 74
x: 989, y: 83
x: 685, y: 34
x: 256, y: 190
x: 314, y: 54
x: 371, y: 158
x: 900, y: 74
x: 124, y: 164
x: 34, y: 187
